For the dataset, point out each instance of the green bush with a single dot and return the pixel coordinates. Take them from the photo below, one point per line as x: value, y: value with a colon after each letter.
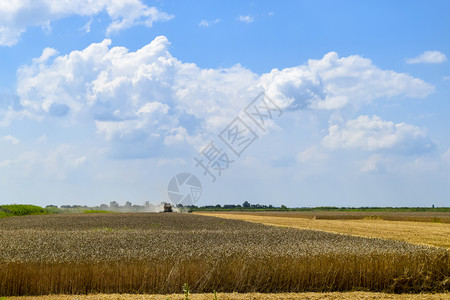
x: 4, y: 215
x: 20, y: 210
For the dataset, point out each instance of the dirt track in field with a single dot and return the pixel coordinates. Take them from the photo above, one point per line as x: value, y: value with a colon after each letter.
x: 248, y: 296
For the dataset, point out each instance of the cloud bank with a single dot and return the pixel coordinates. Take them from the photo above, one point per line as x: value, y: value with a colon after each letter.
x: 150, y: 99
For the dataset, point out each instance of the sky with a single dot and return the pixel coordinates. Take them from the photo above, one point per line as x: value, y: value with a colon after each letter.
x: 297, y: 103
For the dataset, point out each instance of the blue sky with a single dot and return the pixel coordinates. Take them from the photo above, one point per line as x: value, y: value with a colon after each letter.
x: 106, y: 101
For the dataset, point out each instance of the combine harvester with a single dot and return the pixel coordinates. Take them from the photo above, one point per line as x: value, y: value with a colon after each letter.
x: 168, y: 208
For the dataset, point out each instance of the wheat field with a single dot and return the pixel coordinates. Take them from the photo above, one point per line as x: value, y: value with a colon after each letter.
x: 158, y: 253
x: 246, y: 296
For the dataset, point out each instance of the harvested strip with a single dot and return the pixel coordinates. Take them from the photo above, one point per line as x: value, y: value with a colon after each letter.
x: 425, y: 233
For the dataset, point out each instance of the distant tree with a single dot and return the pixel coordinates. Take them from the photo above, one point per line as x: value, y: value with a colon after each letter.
x: 246, y: 204
x: 113, y: 204
x: 283, y: 207
x: 229, y: 206
x: 257, y: 206
x: 103, y: 206
x: 128, y: 204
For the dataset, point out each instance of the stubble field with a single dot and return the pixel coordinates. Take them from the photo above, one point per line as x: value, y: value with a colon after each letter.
x: 426, y: 228
x: 158, y: 253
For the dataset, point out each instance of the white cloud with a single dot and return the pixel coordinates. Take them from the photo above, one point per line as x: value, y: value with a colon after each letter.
x: 177, y: 135
x: 146, y: 119
x: 126, y: 14
x: 203, y: 23
x: 373, y: 163
x: 333, y: 82
x: 11, y: 109
x: 10, y: 139
x: 42, y: 139
x: 47, y: 53
x: 246, y: 19
x: 375, y: 134
x: 58, y: 163
x: 206, y: 23
x: 313, y: 153
x: 23, y: 165
x: 384, y: 163
x: 87, y: 27
x: 428, y: 57
x: 16, y: 16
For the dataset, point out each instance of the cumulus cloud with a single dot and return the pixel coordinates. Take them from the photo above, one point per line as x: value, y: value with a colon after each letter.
x: 134, y: 96
x: 16, y: 16
x: 375, y: 134
x: 246, y: 19
x: 333, y: 82
x: 428, y: 57
x: 150, y: 98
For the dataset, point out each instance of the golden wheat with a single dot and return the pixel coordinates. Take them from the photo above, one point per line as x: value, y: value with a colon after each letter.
x: 158, y: 253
